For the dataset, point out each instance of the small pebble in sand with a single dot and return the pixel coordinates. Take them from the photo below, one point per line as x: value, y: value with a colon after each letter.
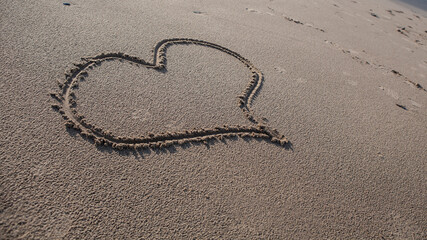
x: 66, y: 4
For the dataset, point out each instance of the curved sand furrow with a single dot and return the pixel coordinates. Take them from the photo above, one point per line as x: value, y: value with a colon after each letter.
x: 67, y: 104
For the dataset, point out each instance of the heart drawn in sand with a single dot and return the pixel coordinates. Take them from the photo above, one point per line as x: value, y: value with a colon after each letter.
x: 67, y: 104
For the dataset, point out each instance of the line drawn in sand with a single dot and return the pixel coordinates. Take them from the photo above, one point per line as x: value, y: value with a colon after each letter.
x: 66, y: 105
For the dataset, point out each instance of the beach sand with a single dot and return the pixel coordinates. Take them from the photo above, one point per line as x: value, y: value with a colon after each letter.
x: 343, y: 81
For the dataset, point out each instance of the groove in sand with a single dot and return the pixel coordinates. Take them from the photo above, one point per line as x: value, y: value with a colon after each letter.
x: 67, y: 104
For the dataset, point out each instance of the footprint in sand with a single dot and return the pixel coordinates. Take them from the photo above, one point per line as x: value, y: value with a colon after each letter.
x: 199, y: 13
x: 351, y: 82
x: 415, y: 103
x: 390, y: 92
x: 280, y: 70
x: 252, y: 10
x: 259, y: 12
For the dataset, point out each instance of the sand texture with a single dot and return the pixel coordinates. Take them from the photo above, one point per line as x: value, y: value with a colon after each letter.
x: 247, y: 120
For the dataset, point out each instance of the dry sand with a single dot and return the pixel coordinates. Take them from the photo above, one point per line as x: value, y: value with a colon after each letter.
x: 344, y: 81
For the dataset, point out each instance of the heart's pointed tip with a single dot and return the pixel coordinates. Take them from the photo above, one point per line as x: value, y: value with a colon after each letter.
x: 281, y: 141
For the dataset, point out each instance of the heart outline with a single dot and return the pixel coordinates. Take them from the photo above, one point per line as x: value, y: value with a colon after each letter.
x: 67, y: 104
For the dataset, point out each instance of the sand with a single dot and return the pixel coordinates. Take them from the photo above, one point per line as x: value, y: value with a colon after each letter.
x: 247, y: 120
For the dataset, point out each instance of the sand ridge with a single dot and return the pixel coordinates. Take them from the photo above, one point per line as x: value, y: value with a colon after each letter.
x: 67, y: 104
